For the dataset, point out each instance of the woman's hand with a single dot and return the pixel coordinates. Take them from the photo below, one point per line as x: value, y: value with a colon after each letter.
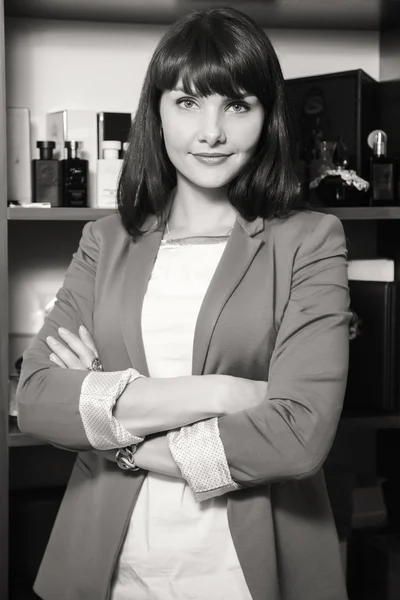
x: 76, y: 352
x: 79, y: 355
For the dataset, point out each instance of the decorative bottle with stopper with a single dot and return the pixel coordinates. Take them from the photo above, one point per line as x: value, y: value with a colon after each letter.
x: 74, y: 176
x: 46, y: 178
x: 336, y: 184
x: 382, y: 171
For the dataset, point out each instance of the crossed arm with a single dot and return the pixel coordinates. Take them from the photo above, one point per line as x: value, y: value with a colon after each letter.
x: 286, y: 435
x: 150, y: 408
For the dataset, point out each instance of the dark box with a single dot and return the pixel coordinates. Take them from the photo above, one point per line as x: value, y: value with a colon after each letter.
x: 373, y: 381
x: 327, y: 106
x: 377, y: 576
x: 112, y: 126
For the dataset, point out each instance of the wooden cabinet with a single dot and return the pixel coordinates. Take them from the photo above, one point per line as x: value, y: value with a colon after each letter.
x: 367, y: 228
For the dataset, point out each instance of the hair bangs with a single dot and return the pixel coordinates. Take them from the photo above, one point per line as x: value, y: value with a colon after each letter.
x: 218, y: 67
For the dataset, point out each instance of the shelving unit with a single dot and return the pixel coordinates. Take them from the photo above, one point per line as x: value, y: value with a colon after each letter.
x: 17, y: 439
x: 345, y: 213
x: 289, y: 14
x: 308, y: 15
x: 57, y: 214
x: 363, y: 213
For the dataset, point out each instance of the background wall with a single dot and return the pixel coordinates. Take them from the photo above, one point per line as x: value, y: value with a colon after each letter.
x: 53, y: 65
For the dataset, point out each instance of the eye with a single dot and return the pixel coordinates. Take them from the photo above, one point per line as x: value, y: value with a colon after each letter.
x: 243, y: 105
x: 238, y: 104
x: 184, y: 100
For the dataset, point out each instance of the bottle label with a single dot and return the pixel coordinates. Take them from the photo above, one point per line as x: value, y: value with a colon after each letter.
x: 382, y: 182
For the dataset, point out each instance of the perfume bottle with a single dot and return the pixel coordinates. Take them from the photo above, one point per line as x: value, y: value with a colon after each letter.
x: 108, y: 170
x: 382, y: 171
x: 46, y: 176
x: 74, y: 177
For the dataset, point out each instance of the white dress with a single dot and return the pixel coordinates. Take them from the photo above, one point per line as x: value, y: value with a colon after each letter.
x: 176, y: 548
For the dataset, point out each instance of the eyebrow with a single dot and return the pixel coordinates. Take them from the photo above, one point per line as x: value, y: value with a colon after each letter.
x: 237, y: 97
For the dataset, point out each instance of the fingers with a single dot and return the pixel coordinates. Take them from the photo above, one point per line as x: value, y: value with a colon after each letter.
x: 88, y: 340
x: 76, y: 352
x: 58, y: 361
x: 84, y: 353
x: 68, y: 358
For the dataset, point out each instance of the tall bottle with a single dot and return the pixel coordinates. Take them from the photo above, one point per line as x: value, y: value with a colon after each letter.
x: 108, y: 171
x: 46, y: 176
x: 382, y: 172
x: 75, y: 172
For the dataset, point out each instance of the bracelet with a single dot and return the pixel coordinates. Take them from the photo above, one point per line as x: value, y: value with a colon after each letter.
x: 124, y: 458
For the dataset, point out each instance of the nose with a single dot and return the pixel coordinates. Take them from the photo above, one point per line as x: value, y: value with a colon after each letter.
x: 211, y: 129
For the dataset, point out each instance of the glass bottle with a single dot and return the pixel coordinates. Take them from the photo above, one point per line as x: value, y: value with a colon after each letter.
x: 46, y: 177
x: 74, y: 177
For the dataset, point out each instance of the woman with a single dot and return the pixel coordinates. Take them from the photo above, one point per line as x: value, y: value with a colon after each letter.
x: 216, y: 338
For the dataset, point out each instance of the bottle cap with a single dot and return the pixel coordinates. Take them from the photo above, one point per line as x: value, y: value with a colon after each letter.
x: 46, y: 144
x: 377, y: 141
x: 73, y: 145
x: 46, y: 148
x: 125, y: 146
x: 111, y: 149
x: 111, y: 145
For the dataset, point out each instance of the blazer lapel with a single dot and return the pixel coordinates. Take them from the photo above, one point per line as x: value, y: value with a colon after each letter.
x: 138, y: 268
x: 235, y: 261
x: 238, y: 255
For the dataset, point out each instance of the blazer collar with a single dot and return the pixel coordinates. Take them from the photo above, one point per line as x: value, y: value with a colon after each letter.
x: 237, y: 257
x: 250, y: 227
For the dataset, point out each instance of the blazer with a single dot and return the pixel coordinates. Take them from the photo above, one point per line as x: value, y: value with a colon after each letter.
x: 277, y: 309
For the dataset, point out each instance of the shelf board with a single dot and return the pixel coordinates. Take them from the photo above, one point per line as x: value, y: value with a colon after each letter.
x: 371, y: 421
x: 361, y: 213
x: 345, y: 213
x: 313, y: 14
x: 17, y: 439
x: 19, y: 213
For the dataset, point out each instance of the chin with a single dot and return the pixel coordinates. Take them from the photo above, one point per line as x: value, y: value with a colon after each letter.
x: 210, y: 181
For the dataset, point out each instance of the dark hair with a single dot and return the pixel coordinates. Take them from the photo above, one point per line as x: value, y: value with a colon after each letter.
x: 216, y: 51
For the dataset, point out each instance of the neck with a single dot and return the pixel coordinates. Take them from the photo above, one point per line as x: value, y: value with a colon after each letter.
x: 200, y: 212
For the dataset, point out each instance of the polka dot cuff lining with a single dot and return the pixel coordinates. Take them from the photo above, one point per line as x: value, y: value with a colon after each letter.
x: 199, y: 453
x: 99, y: 394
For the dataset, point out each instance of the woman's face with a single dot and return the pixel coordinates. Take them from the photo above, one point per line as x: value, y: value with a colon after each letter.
x: 193, y: 125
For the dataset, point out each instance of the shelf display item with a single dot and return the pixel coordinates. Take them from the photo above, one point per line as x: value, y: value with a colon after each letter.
x: 112, y: 126
x: 71, y: 124
x: 46, y: 175
x: 108, y: 170
x: 75, y: 172
x: 336, y: 184
x: 19, y: 159
x: 382, y: 171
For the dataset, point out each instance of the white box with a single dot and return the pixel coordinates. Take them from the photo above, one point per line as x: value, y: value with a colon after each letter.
x: 108, y: 173
x: 81, y: 126
x: 19, y: 159
x: 374, y: 269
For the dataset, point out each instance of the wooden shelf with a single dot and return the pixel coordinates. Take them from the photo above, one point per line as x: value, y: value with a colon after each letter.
x: 361, y: 213
x: 291, y: 14
x: 17, y: 439
x: 355, y: 213
x: 19, y: 213
x: 371, y: 421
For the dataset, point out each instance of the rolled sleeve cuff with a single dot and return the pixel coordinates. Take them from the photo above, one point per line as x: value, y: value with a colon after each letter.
x: 99, y: 394
x: 199, y: 453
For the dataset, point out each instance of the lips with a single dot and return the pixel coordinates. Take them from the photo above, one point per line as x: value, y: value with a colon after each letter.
x: 211, y: 159
x: 215, y: 155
